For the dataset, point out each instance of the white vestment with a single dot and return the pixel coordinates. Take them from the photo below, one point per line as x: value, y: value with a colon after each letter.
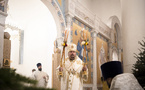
x: 73, y: 75
x: 125, y: 81
x: 38, y: 75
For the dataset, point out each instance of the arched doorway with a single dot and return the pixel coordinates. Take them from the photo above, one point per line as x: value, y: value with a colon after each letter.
x: 40, y: 29
x: 116, y: 38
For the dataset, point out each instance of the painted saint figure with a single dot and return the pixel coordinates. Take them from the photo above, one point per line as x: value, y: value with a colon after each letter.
x: 80, y: 49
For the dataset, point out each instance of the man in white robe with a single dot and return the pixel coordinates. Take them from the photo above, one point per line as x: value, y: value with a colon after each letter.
x: 116, y: 79
x: 41, y: 77
x: 73, y: 71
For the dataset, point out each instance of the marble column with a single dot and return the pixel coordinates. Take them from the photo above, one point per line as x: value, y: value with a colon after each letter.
x: 94, y: 34
x: 68, y: 26
x: 119, y: 54
x: 110, y: 51
x: 133, y: 27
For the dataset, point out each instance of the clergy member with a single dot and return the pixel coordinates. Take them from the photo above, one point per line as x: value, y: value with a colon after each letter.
x: 74, y: 71
x: 116, y: 79
x: 41, y: 77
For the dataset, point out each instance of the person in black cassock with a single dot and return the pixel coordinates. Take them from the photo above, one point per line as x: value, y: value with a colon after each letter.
x: 117, y: 80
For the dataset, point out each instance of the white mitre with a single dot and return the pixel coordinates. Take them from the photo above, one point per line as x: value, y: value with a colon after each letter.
x: 72, y: 47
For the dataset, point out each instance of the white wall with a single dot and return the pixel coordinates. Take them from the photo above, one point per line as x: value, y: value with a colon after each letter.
x: 39, y: 35
x: 133, y: 27
x: 103, y: 9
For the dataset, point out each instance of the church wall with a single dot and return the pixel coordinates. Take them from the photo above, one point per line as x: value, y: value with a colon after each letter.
x: 106, y: 8
x: 133, y: 20
x: 133, y: 27
x: 19, y: 10
x: 103, y: 9
x: 31, y: 33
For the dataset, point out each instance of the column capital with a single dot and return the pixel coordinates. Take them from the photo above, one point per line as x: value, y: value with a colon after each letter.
x: 68, y: 20
x: 94, y: 33
x: 69, y: 16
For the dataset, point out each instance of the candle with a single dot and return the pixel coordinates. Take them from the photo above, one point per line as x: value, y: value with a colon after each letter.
x: 68, y: 33
x: 84, y: 34
x: 65, y: 33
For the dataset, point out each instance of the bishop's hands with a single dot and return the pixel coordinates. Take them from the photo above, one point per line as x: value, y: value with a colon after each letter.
x: 85, y: 73
x: 60, y: 69
x: 84, y: 68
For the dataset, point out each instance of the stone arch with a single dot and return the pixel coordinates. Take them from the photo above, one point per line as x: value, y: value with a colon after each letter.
x: 59, y: 20
x: 114, y: 24
x: 61, y: 25
x: 57, y: 14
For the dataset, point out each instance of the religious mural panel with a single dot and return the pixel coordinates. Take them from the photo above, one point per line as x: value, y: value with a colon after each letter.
x: 102, y: 55
x: 61, y: 4
x: 76, y: 39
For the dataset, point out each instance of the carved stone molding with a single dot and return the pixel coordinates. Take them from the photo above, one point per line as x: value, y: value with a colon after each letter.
x: 3, y: 16
x: 84, y: 17
x: 104, y: 31
x: 70, y: 8
x: 83, y: 14
x: 77, y: 10
x: 15, y: 29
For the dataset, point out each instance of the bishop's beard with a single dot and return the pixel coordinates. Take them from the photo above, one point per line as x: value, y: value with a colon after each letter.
x: 40, y: 69
x: 72, y: 57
